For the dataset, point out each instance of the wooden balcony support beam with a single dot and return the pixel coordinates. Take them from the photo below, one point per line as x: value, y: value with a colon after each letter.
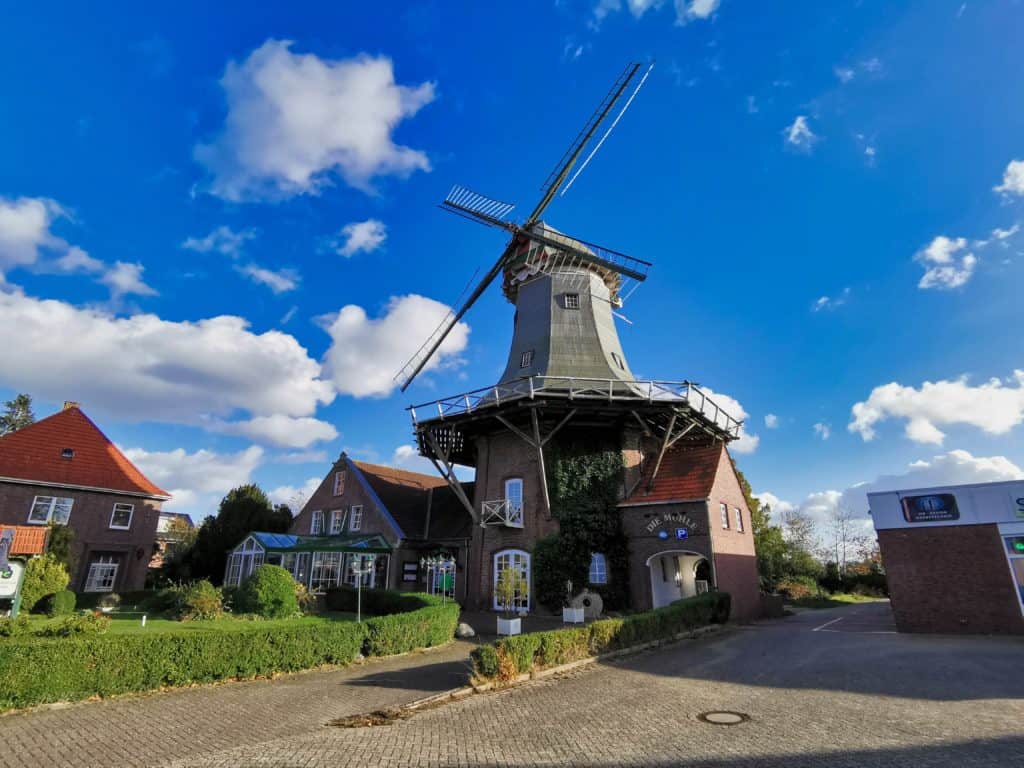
x: 446, y: 469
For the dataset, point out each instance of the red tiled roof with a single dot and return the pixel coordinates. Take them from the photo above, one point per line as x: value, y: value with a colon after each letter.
x: 685, y: 474
x: 402, y: 477
x: 28, y: 539
x: 34, y: 453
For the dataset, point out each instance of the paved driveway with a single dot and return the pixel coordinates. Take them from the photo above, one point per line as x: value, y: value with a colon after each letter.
x: 824, y: 689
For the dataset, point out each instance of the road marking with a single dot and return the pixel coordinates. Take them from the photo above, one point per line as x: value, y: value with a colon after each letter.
x: 827, y: 623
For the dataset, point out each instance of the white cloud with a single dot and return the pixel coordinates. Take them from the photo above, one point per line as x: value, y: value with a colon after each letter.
x: 799, y: 135
x: 993, y: 407
x: 639, y: 7
x: 685, y: 10
x: 144, y: 368
x: 1004, y: 234
x: 361, y: 236
x: 752, y: 108
x: 1013, y: 179
x: 302, y: 457
x: 771, y: 421
x: 197, y: 481
x: 77, y: 260
x: 223, y: 240
x: 281, y: 281
x: 366, y: 353
x: 823, y: 430
x: 25, y: 230
x: 126, y: 278
x: 279, y: 429
x: 845, y: 74
x: 295, y: 121
x: 695, y: 9
x: 290, y: 494
x: 746, y: 443
x: 830, y: 303
x: 779, y: 506
x: 945, y: 268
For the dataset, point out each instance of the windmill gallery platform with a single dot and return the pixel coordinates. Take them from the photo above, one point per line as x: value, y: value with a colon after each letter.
x: 625, y: 487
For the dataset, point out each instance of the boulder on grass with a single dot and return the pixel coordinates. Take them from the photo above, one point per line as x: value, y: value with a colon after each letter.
x: 464, y: 630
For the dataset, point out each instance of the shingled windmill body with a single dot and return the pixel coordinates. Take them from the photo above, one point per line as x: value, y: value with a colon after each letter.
x: 566, y: 379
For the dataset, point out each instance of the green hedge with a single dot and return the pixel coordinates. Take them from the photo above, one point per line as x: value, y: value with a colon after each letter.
x: 41, y: 670
x: 376, y: 602
x: 519, y: 654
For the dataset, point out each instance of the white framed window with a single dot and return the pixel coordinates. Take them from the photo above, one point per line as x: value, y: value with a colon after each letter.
x: 102, y: 574
x: 526, y: 359
x: 50, y: 509
x: 520, y: 560
x: 598, y: 569
x: 121, y: 516
x: 337, y: 526
x: 326, y: 571
x: 355, y: 517
x: 369, y: 578
x: 246, y: 558
x: 739, y: 519
x: 339, y: 483
x: 316, y: 523
x: 514, y: 493
x: 572, y: 301
x: 725, y: 514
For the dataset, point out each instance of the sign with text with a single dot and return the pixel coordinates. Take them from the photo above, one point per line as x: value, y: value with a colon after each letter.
x: 931, y: 508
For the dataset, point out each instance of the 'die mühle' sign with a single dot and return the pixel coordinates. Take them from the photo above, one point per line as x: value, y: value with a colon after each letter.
x: 932, y: 508
x: 681, y: 525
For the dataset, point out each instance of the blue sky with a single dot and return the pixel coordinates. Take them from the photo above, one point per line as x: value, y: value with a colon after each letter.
x: 219, y: 232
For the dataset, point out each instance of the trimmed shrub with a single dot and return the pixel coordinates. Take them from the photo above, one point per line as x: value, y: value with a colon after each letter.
x: 268, y: 592
x: 44, y: 575
x: 519, y: 654
x: 200, y: 601
x: 59, y: 604
x: 14, y: 627
x: 376, y: 602
x: 75, y: 626
x: 39, y: 670
x: 137, y: 599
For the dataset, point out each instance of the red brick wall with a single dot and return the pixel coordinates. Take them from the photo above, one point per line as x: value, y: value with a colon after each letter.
x: 90, y: 520
x: 735, y: 559
x: 951, y: 579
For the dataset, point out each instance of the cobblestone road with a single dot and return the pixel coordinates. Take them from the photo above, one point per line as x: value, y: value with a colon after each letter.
x: 830, y: 688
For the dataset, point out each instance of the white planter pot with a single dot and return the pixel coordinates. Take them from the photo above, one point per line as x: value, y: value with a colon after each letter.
x: 510, y: 626
x: 572, y: 615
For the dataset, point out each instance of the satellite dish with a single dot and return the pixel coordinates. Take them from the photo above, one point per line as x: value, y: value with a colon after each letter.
x: 590, y: 602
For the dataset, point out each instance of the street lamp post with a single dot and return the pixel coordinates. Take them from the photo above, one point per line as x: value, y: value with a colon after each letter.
x: 441, y: 566
x: 361, y: 565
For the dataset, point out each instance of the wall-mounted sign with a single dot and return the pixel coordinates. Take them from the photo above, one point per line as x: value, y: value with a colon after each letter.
x: 681, y: 521
x: 1018, y: 507
x: 931, y: 508
x: 1015, y: 545
x: 682, y: 533
x: 10, y: 578
x: 662, y: 535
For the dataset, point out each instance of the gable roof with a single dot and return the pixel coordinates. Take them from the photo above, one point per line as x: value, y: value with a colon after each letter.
x: 33, y: 454
x: 686, y: 474
x: 406, y: 496
x: 28, y: 539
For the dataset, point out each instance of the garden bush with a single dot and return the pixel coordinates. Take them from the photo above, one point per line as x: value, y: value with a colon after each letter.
x: 519, y: 654
x: 58, y: 604
x: 74, y: 626
x: 44, y: 575
x: 797, y: 588
x: 36, y: 670
x: 268, y: 592
x: 376, y: 602
x: 199, y: 601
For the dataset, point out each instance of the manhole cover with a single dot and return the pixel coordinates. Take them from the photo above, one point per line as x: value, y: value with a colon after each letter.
x: 723, y: 718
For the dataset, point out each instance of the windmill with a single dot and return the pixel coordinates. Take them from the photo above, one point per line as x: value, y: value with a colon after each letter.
x: 599, y: 273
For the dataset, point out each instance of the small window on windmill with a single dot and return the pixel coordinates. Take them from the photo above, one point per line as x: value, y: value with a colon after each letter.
x: 526, y: 359
x: 67, y: 453
x: 572, y: 301
x: 618, y: 361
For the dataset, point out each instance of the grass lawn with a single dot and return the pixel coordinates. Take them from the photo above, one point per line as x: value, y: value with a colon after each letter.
x: 130, y: 623
x: 831, y: 601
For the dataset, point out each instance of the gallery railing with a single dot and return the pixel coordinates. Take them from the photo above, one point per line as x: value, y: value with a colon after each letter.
x: 502, y: 512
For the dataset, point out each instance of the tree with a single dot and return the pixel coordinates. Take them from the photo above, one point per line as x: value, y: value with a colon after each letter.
x: 245, y: 509
x: 60, y: 542
x: 18, y: 414
x: 845, y: 537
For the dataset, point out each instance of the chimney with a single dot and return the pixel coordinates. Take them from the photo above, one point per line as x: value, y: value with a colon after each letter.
x: 70, y: 404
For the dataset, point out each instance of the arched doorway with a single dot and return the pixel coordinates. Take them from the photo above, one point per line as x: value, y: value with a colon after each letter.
x: 676, y: 574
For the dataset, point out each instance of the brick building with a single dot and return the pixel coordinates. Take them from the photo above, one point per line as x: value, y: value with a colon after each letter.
x: 62, y: 470
x: 360, y: 509
x: 954, y: 556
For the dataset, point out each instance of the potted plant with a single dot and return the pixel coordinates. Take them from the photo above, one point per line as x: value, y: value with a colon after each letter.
x: 511, y: 584
x: 570, y: 615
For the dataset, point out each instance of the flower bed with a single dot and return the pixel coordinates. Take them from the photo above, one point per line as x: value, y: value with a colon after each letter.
x: 511, y: 656
x: 36, y: 670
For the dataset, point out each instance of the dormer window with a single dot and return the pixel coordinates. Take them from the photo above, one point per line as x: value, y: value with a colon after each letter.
x: 67, y: 453
x: 526, y: 359
x: 572, y: 301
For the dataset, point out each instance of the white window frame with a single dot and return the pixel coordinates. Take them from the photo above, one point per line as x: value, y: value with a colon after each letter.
x: 514, y: 504
x: 598, y: 571
x: 131, y: 514
x: 339, y: 483
x: 355, y: 517
x: 513, y: 558
x: 243, y: 560
x: 526, y: 359
x: 336, y: 527
x: 572, y: 301
x: 724, y: 509
x: 326, y: 570
x: 739, y: 519
x: 316, y: 522
x: 51, y: 505
x: 102, y: 574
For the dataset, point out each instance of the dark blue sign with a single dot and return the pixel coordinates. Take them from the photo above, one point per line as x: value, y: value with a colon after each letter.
x: 682, y: 533
x: 931, y: 508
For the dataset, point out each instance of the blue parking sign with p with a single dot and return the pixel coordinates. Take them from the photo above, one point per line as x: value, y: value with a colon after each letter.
x: 681, y: 533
